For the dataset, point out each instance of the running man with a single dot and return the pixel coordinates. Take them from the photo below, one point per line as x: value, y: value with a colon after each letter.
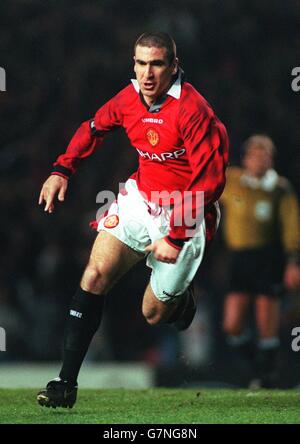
x: 182, y: 147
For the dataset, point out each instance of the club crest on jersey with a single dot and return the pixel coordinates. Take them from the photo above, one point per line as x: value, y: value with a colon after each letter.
x: 111, y: 221
x: 152, y: 136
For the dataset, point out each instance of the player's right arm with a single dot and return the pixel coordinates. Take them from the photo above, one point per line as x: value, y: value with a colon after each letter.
x: 82, y: 144
x: 55, y: 186
x: 88, y: 137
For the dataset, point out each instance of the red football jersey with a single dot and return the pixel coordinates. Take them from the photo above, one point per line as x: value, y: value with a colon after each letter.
x: 181, y: 143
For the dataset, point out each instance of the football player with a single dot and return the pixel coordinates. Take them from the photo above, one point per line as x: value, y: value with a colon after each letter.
x: 167, y: 211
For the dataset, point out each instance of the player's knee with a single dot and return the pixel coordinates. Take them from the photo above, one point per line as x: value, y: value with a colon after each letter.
x: 152, y: 316
x: 154, y: 320
x: 94, y: 280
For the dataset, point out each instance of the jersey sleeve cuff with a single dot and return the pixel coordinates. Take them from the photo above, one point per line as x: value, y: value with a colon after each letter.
x: 62, y: 171
x: 175, y: 243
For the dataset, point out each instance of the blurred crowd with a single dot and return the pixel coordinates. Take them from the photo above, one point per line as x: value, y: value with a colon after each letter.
x: 63, y: 60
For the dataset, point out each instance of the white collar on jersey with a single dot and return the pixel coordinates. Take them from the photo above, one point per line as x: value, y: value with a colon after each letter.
x: 266, y: 183
x: 175, y: 89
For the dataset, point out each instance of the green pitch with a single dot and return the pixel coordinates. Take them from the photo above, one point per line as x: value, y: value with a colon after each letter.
x: 156, y: 406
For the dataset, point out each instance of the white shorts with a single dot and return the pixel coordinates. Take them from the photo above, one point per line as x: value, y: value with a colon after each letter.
x: 129, y: 220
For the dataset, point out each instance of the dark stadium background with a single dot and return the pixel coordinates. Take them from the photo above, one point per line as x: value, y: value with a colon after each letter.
x: 63, y: 59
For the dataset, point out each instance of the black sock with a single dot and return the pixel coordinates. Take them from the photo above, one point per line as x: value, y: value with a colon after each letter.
x: 242, y: 345
x: 266, y: 362
x: 178, y: 310
x: 83, y: 321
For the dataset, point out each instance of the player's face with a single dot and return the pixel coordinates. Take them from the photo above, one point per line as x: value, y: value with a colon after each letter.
x: 153, y: 72
x: 257, y: 161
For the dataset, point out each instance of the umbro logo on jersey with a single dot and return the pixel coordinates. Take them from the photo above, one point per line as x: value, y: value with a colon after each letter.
x: 77, y: 314
x: 151, y: 120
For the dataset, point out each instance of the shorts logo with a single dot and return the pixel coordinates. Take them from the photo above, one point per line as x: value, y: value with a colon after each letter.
x: 111, y: 221
x: 171, y: 296
x: 152, y: 136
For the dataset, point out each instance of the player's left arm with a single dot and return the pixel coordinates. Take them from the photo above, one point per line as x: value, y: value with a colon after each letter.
x: 163, y: 251
x: 206, y: 141
x: 88, y: 138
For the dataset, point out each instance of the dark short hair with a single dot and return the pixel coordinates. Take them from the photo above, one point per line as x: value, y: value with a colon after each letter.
x: 158, y: 40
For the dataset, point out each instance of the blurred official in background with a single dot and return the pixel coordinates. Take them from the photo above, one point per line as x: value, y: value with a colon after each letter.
x: 261, y: 230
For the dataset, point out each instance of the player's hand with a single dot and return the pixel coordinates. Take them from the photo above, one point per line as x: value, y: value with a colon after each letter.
x: 292, y: 277
x: 163, y: 252
x: 54, y: 186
